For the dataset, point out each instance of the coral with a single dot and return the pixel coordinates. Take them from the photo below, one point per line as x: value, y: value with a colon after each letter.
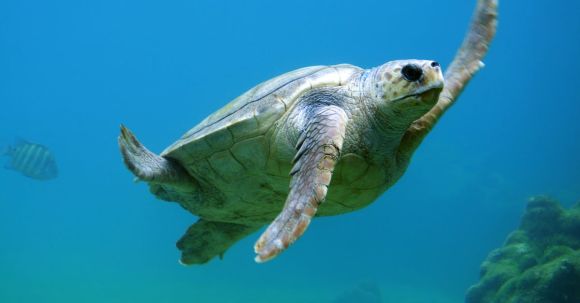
x: 540, y: 261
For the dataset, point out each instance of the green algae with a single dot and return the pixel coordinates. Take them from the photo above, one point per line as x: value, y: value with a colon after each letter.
x: 539, y: 262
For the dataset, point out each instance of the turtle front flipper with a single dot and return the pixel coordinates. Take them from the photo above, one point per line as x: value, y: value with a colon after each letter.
x: 205, y: 240
x: 318, y: 151
x: 465, y: 65
x: 148, y: 166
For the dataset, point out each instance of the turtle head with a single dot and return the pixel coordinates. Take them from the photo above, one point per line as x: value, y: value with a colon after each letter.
x: 409, y: 82
x: 402, y: 91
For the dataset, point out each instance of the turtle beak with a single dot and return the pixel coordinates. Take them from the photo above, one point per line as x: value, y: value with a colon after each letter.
x: 432, y: 76
x: 427, y: 93
x: 425, y: 76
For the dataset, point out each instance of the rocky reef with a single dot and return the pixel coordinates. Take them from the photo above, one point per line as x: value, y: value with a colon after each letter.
x: 540, y: 261
x: 368, y: 292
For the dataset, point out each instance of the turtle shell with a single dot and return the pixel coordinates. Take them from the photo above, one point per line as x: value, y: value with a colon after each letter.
x: 253, y: 113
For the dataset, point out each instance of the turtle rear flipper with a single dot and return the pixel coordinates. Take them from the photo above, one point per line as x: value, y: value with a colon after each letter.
x: 149, y: 167
x: 205, y: 240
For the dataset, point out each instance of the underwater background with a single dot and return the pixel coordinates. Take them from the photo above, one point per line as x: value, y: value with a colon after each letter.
x: 72, y: 71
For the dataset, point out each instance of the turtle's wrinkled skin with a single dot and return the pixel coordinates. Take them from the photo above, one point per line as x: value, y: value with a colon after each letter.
x: 321, y: 140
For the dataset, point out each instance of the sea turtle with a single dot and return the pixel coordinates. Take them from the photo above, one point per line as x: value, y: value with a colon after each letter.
x: 325, y: 139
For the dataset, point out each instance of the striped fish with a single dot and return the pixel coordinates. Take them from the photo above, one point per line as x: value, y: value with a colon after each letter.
x: 32, y: 160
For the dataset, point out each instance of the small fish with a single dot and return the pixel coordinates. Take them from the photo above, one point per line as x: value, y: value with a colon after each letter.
x: 33, y: 160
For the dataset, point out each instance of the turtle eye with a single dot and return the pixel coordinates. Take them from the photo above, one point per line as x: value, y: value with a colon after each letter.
x: 412, y: 72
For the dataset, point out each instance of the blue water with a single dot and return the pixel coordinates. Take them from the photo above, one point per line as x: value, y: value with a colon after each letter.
x: 72, y: 71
